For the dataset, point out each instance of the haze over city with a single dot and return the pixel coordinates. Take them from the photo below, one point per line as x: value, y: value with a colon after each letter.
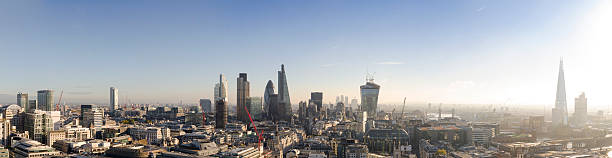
x: 468, y: 52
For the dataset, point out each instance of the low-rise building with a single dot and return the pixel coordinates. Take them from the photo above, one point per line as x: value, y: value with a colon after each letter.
x: 27, y: 148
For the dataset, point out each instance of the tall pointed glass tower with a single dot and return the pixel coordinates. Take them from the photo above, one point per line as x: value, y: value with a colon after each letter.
x: 559, y: 112
x: 283, y: 94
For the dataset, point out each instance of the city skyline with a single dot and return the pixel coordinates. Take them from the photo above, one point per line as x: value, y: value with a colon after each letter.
x: 474, y: 63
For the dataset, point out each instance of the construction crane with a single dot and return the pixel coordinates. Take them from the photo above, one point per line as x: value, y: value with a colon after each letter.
x: 255, y: 128
x: 404, y: 106
x: 57, y: 108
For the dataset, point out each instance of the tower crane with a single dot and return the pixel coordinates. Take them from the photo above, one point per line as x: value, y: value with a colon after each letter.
x: 57, y: 108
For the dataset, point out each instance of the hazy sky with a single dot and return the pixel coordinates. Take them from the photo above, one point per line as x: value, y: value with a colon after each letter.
x: 487, y: 52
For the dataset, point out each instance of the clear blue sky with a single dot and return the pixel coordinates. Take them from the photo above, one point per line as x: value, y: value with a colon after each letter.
x: 429, y: 51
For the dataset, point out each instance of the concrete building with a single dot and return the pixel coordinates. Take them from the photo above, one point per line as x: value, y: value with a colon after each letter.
x: 27, y: 148
x: 53, y: 136
x: 77, y: 132
x: 151, y: 134
x: 482, y: 136
x: 580, y: 111
x: 448, y: 134
x: 38, y: 125
x: 386, y: 141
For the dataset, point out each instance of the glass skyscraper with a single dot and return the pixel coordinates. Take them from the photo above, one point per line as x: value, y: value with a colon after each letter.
x: 45, y: 100
x: 369, y: 97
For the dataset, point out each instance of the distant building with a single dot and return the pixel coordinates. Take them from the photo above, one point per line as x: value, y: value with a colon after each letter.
x: 166, y: 113
x: 33, y: 106
x: 580, y: 111
x: 114, y: 98
x: 92, y: 116
x: 369, y: 98
x: 220, y: 113
x: 54, y: 136
x: 255, y: 108
x: 559, y: 112
x: 26, y: 148
x: 385, y: 141
x: 317, y: 98
x: 221, y: 87
x: 276, y: 111
x: 38, y: 125
x: 22, y: 99
x: 284, y: 101
x: 45, y: 100
x: 242, y: 93
x: 482, y: 136
x: 450, y: 134
x: 206, y: 105
x: 268, y: 91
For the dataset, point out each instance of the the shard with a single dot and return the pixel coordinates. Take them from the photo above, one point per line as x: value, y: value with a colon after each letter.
x: 559, y: 112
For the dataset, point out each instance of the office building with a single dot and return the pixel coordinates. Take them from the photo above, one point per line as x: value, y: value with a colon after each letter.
x: 206, y: 105
x: 38, y: 125
x: 221, y: 87
x: 220, y: 113
x: 317, y: 98
x: 45, y: 100
x: 268, y: 91
x: 114, y: 99
x: 22, y: 99
x: 221, y: 103
x: 284, y: 100
x: 559, y: 112
x: 27, y: 148
x: 33, y: 106
x: 386, y: 141
x: 255, y: 106
x: 275, y: 110
x: 242, y: 93
x: 92, y: 117
x: 580, y: 110
x: 369, y: 97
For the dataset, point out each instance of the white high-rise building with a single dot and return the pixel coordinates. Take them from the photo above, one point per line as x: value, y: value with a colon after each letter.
x: 580, y: 111
x: 221, y: 87
x: 114, y: 99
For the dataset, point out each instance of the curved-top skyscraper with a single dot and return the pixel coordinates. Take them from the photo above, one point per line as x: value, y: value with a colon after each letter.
x: 369, y: 97
x: 559, y: 112
x: 268, y: 91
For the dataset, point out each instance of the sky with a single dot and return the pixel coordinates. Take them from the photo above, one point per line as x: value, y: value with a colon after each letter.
x: 454, y: 52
